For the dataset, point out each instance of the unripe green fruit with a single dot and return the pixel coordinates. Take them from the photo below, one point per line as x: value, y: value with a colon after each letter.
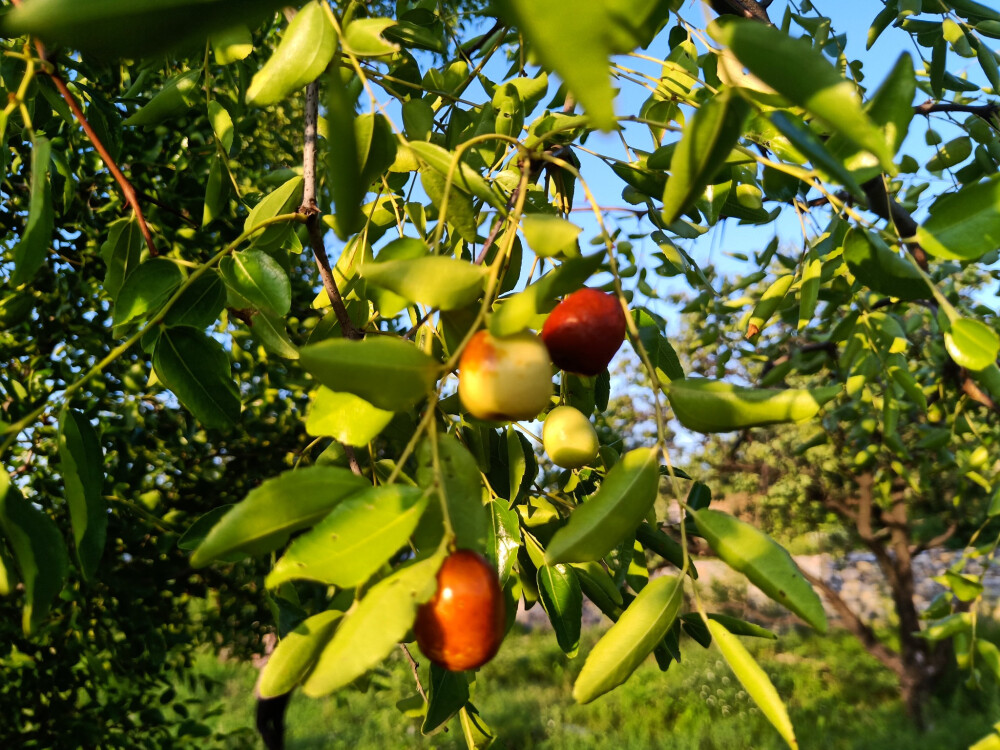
x: 569, y: 438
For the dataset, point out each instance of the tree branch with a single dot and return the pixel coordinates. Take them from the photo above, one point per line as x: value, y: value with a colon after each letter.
x: 858, y: 628
x: 310, y: 209
x: 984, y: 111
x: 745, y: 8
x: 128, y: 192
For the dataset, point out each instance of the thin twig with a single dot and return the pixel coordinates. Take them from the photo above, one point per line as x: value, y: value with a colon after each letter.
x: 984, y: 111
x: 310, y: 209
x: 126, y: 187
x: 414, y: 666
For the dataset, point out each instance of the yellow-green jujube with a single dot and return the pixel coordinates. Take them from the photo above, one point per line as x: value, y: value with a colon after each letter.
x: 569, y: 438
x: 505, y: 378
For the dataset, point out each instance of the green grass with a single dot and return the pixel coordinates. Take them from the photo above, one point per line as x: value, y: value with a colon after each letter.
x: 838, y: 697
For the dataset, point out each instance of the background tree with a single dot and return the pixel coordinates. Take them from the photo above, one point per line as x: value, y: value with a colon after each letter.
x: 166, y: 178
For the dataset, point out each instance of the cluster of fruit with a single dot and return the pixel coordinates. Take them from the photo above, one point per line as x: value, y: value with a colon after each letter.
x: 507, y: 379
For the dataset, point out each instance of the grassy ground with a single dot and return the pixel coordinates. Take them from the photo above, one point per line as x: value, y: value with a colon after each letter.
x: 838, y: 697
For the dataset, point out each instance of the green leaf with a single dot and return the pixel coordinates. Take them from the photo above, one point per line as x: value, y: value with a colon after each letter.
x: 345, y: 417
x: 222, y: 124
x: 705, y: 144
x: 520, y: 310
x: 517, y: 465
x: 270, y: 330
x: 259, y: 278
x: 174, y: 99
x: 964, y: 225
x: 121, y: 252
x: 504, y: 537
x: 459, y: 213
x: 876, y: 266
x: 577, y: 43
x: 376, y: 144
x: 132, y: 29
x: 972, y: 344
x: 39, y: 550
x: 465, y: 178
x: 263, y: 520
x: 200, y: 304
x: 642, y: 626
x: 660, y: 543
x: 661, y: 354
x: 549, y: 235
x: 306, y: 48
x: 448, y: 692
x: 197, y: 531
x: 363, y: 37
x: 387, y: 372
x: 371, y: 630
x: 432, y: 280
x: 354, y: 540
x: 296, y: 654
x: 282, y: 200
x: 343, y: 164
x: 891, y: 110
x: 196, y: 368
x: 146, y: 290
x: 754, y: 680
x: 748, y: 550
x: 460, y: 487
x: 952, y: 153
x: 705, y: 405
x: 216, y: 192
x: 82, y: 468
x: 32, y: 249
x: 231, y: 44
x: 612, y: 514
x: 814, y: 149
x: 733, y: 624
x: 800, y: 73
x: 598, y: 585
x: 561, y: 597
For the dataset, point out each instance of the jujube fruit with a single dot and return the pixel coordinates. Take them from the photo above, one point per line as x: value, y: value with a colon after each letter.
x: 569, y: 438
x: 505, y: 378
x: 584, y: 331
x: 462, y: 626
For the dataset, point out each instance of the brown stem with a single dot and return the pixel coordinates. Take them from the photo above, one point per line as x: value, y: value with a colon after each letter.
x: 882, y: 205
x: 413, y: 666
x: 126, y: 187
x: 982, y: 110
x: 311, y: 209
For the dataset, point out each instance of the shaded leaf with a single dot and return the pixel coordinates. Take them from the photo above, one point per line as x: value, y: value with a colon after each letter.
x: 32, y: 249
x: 561, y: 598
x: 82, y: 467
x: 39, y: 550
x: 196, y: 368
